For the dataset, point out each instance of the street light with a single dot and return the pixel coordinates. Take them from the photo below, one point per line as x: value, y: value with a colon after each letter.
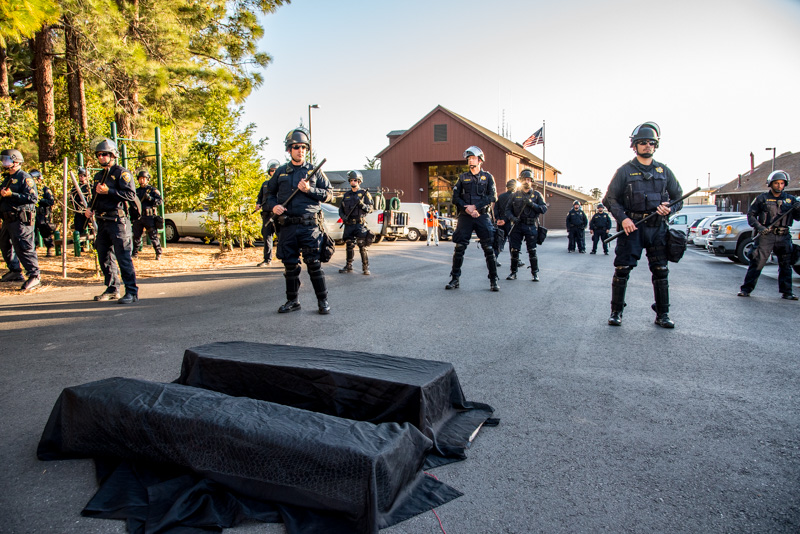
x: 773, y: 156
x: 310, y: 107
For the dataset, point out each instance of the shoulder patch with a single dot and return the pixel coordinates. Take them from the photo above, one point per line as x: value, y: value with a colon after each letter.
x: 126, y: 177
x: 30, y: 182
x: 660, y: 170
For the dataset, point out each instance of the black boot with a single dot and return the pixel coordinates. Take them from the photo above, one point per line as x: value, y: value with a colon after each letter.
x: 618, y: 287
x: 364, y: 260
x: 458, y: 261
x: 292, y: 275
x: 491, y: 263
x: 534, y: 264
x: 318, y: 281
x: 350, y: 254
x: 514, y: 264
x: 661, y: 306
x: 453, y: 283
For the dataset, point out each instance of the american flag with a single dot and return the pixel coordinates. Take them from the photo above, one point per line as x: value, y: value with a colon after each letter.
x: 535, y: 139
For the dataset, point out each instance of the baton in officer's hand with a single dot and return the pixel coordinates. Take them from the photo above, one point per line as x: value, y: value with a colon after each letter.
x: 314, y: 171
x: 684, y: 197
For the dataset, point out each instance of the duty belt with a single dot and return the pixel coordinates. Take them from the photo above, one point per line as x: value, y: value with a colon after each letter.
x: 637, y: 216
x: 528, y: 220
x: 10, y: 216
x: 285, y: 221
x: 112, y: 215
x: 150, y: 211
x: 780, y: 230
x: 355, y: 220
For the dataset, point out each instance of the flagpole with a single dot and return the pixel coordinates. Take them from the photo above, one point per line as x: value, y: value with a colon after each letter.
x: 544, y: 168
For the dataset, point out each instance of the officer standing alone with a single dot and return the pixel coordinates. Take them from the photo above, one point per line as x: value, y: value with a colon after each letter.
x: 113, y: 187
x: 641, y: 187
x: 473, y: 196
x: 267, y: 228
x: 44, y: 212
x: 355, y: 206
x: 599, y: 227
x: 576, y: 227
x: 18, y: 199
x: 150, y: 199
x: 299, y: 220
x: 523, y: 210
x: 765, y: 210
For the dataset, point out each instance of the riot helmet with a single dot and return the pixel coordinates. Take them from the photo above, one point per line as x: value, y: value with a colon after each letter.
x: 511, y: 184
x: 107, y: 145
x: 355, y: 175
x: 778, y: 175
x: 645, y: 131
x: 526, y: 173
x: 601, y: 207
x: 81, y: 171
x: 273, y: 164
x: 297, y: 136
x: 474, y: 151
x: 11, y: 156
x: 35, y: 174
x: 143, y: 174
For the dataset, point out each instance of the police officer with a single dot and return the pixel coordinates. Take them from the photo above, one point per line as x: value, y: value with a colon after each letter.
x: 299, y: 220
x: 112, y: 188
x: 80, y: 223
x: 641, y: 187
x: 599, y: 227
x: 473, y: 195
x: 267, y: 230
x: 44, y: 212
x: 150, y: 198
x: 576, y: 225
x: 355, y: 206
x: 523, y: 210
x: 18, y: 199
x: 502, y: 225
x: 765, y: 210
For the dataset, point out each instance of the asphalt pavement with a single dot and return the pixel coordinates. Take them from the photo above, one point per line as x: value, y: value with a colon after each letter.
x: 603, y: 429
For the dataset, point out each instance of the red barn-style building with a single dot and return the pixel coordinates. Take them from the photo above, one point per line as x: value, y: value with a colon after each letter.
x: 425, y: 161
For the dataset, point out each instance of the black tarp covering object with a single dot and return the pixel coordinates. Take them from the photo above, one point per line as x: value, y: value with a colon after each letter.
x: 356, y: 385
x: 326, y: 474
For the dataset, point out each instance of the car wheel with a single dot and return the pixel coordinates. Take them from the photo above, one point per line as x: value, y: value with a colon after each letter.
x: 391, y: 238
x: 171, y: 232
x: 744, y: 250
x: 413, y: 234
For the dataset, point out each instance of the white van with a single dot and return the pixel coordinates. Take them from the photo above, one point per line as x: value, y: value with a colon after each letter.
x: 417, y: 219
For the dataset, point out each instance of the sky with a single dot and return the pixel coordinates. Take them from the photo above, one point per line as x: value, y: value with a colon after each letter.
x: 721, y: 78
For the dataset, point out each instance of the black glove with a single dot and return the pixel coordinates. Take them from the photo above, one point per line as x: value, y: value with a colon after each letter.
x: 796, y: 206
x: 761, y: 229
x: 514, y: 220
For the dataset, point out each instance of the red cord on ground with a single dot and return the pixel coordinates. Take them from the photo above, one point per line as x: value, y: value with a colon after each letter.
x: 434, y: 511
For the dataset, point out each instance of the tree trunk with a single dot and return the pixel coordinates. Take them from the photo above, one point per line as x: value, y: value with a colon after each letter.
x: 126, y: 92
x: 43, y: 81
x: 4, y: 90
x: 75, y: 85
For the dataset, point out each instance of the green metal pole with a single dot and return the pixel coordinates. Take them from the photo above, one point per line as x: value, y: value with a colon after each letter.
x: 80, y: 160
x: 123, y: 155
x: 162, y: 234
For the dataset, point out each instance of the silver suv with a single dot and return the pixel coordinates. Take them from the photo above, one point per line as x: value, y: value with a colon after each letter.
x: 733, y: 238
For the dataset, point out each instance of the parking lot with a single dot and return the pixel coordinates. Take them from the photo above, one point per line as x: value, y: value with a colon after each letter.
x: 629, y: 429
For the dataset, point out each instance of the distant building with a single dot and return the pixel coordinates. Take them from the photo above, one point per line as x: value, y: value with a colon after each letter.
x: 738, y: 194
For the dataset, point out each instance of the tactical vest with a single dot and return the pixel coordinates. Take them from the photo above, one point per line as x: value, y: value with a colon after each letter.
x: 473, y: 187
x: 519, y: 203
x: 645, y: 190
x: 350, y: 201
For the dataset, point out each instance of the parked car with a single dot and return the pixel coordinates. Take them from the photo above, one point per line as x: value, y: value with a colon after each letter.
x: 332, y: 222
x: 389, y: 224
x: 682, y: 219
x: 187, y: 224
x: 704, y: 227
x: 691, y: 231
x: 732, y: 238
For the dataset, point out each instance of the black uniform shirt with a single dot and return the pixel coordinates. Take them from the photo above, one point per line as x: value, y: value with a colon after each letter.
x: 767, y: 207
x: 600, y: 222
x: 522, y: 204
x: 23, y: 192
x: 284, y: 182
x: 149, y: 196
x: 120, y: 189
x: 640, y: 188
x: 350, y: 204
x: 474, y: 189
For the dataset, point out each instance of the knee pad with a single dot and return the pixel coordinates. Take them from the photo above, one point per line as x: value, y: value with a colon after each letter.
x: 623, y: 272
x: 460, y: 249
x: 660, y: 272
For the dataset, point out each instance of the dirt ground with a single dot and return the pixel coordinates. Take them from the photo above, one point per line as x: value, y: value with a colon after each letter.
x: 177, y: 258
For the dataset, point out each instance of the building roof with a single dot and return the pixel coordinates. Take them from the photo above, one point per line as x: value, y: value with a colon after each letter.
x: 756, y: 181
x: 372, y: 178
x: 506, y: 144
x: 568, y: 192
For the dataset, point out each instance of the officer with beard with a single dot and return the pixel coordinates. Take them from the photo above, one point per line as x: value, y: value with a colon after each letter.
x: 766, y: 209
x: 473, y: 196
x: 599, y: 227
x: 641, y: 187
x: 355, y: 206
x: 267, y: 230
x: 523, y: 210
x: 299, y: 220
x: 113, y: 187
x: 576, y: 225
x: 18, y: 199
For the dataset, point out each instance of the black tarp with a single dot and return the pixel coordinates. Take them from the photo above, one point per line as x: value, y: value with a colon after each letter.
x: 186, y: 460
x: 355, y: 385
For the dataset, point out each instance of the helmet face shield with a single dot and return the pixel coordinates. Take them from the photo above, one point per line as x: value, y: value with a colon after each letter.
x: 354, y: 175
x: 474, y: 151
x: 648, y: 131
x: 8, y: 161
x: 778, y: 175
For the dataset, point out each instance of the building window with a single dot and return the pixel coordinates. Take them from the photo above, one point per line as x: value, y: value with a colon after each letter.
x: 439, y: 133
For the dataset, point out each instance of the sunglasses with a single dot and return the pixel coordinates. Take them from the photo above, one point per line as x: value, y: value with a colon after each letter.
x: 101, y: 154
x: 298, y: 147
x: 645, y: 143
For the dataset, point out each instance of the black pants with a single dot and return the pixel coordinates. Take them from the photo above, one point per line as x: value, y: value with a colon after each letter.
x: 576, y: 238
x: 139, y: 226
x: 17, y: 246
x: 765, y: 245
x: 599, y: 235
x: 113, y: 242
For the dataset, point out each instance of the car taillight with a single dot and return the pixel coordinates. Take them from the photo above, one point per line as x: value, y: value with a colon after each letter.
x: 380, y: 218
x: 339, y: 221
x: 705, y: 231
